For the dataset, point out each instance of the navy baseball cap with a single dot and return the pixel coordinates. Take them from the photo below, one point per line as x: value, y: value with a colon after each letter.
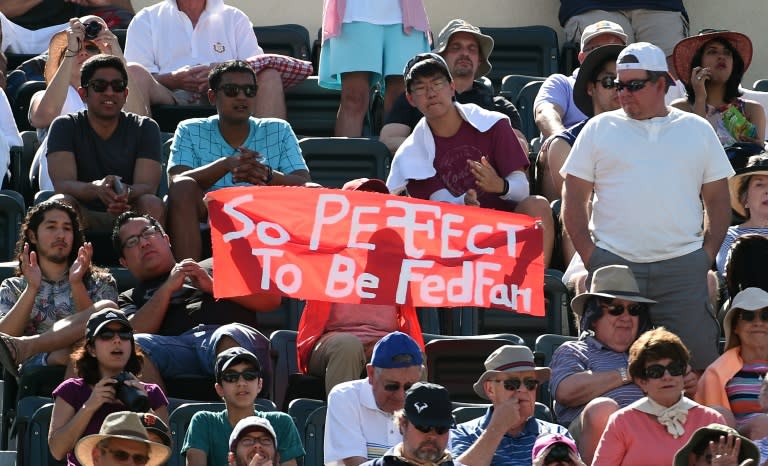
x: 396, y: 350
x: 233, y: 355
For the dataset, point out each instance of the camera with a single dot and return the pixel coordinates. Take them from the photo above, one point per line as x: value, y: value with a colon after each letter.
x: 92, y: 30
x: 118, y: 186
x: 559, y: 452
x: 134, y: 399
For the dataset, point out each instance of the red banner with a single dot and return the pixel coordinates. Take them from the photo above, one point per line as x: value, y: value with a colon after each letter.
x: 363, y: 247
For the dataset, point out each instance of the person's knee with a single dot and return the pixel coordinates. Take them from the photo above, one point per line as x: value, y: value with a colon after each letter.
x: 183, y: 190
x: 269, y: 78
x: 344, y: 343
x: 152, y: 205
x: 597, y: 412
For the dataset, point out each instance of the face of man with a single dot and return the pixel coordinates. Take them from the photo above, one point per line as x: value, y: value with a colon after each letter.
x: 500, y: 388
x: 617, y: 331
x: 462, y: 54
x: 235, y: 97
x: 423, y: 447
x: 389, y: 385
x: 151, y: 256
x: 432, y: 95
x: 236, y: 389
x: 121, y: 452
x: 604, y: 100
x: 645, y: 102
x: 599, y: 41
x: 101, y: 97
x: 257, y: 442
x: 54, y: 236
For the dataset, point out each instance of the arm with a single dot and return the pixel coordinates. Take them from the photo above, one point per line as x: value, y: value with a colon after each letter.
x: 196, y: 457
x: 549, y: 118
x: 581, y: 388
x: 505, y: 416
x: 13, y: 8
x: 288, y: 463
x: 393, y: 134
x: 63, y: 171
x: 146, y: 178
x: 201, y: 279
x: 576, y: 195
x: 149, y: 317
x: 16, y: 319
x: 611, y: 448
x: 756, y: 115
x: 717, y: 215
x: 80, y: 297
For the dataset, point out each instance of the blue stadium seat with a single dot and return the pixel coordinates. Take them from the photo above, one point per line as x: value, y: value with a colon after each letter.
x: 528, y: 50
x: 284, y: 39
x: 334, y: 161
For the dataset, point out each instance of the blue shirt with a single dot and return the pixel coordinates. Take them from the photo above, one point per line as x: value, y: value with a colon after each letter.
x: 198, y: 142
x: 514, y: 450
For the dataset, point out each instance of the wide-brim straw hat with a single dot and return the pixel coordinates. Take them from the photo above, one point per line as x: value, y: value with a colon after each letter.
x: 682, y: 56
x: 758, y: 166
x: 747, y: 451
x: 611, y: 281
x: 748, y: 299
x: 121, y: 425
x: 596, y: 57
x: 485, y: 42
x: 509, y: 359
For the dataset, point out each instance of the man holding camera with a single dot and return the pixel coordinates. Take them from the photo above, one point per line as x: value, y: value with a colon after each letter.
x: 104, y: 161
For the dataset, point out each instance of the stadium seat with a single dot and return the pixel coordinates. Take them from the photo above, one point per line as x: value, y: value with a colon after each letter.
x: 761, y: 85
x: 511, y: 85
x: 313, y: 435
x: 37, y: 439
x: 288, y: 382
x: 334, y: 161
x: 39, y: 380
x: 16, y: 59
x: 569, y: 57
x: 524, y: 106
x: 284, y: 39
x: 169, y: 116
x: 300, y: 410
x: 11, y: 216
x: 25, y: 409
x: 545, y: 347
x: 21, y: 164
x: 528, y: 50
x: 20, y: 106
x: 312, y: 109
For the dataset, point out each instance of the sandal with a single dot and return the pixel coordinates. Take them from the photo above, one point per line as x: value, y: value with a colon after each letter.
x: 8, y: 355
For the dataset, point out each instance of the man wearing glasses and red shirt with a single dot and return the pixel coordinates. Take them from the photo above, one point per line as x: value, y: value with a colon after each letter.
x: 650, y: 167
x: 505, y: 435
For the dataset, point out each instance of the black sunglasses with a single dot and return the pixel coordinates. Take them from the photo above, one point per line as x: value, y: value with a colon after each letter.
x: 515, y: 384
x: 656, y: 371
x: 100, y: 85
x: 123, y: 456
x: 232, y: 376
x: 107, y: 335
x: 233, y: 90
x: 749, y: 316
x: 427, y: 429
x: 618, y: 309
x: 632, y: 86
x: 395, y: 386
x: 608, y: 82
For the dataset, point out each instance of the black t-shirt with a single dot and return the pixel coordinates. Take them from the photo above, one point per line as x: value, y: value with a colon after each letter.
x: 404, y: 113
x: 188, y: 308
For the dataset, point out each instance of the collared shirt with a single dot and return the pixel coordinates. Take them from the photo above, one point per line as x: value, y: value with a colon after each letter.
x: 394, y: 457
x: 355, y: 426
x: 513, y: 450
x: 588, y: 354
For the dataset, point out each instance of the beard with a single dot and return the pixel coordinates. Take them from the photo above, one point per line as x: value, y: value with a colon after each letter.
x: 431, y: 455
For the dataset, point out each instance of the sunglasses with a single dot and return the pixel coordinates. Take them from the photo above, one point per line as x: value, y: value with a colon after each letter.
x: 656, y: 371
x: 608, y: 82
x: 632, y: 86
x: 232, y: 376
x: 123, y: 456
x: 248, y: 442
x: 427, y: 429
x: 100, y: 85
x: 108, y: 335
x: 515, y: 384
x: 749, y: 316
x: 394, y: 386
x: 233, y: 90
x: 618, y: 309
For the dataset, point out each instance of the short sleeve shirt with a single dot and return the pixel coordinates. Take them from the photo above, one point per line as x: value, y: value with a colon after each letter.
x: 557, y: 89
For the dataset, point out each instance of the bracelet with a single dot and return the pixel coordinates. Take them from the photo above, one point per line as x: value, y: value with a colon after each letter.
x: 506, y: 188
x: 270, y: 175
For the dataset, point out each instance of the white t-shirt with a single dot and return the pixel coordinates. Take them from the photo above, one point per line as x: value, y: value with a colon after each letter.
x: 647, y: 177
x: 373, y: 11
x: 161, y: 38
x: 355, y: 426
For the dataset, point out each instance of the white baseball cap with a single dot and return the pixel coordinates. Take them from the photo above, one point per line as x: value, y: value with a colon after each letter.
x: 643, y: 56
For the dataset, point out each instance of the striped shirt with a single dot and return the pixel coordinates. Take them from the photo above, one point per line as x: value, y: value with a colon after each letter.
x: 744, y: 391
x: 514, y: 450
x: 588, y: 354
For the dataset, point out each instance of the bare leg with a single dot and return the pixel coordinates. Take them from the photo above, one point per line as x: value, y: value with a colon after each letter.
x: 395, y: 87
x: 145, y: 91
x: 354, y: 104
x: 185, y: 212
x: 270, y: 99
x: 538, y: 206
x: 595, y: 418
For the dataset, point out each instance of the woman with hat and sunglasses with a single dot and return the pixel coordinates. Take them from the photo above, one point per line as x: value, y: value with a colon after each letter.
x: 652, y: 429
x: 107, y: 365
x: 732, y: 383
x: 712, y: 65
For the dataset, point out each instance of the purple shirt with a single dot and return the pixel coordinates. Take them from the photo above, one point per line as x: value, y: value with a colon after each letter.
x: 558, y: 89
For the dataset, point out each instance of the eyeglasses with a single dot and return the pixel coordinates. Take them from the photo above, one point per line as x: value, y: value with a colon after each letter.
x: 656, y: 371
x: 514, y: 384
x: 427, y: 429
x: 632, y: 86
x: 434, y: 86
x: 123, y: 456
x: 109, y: 334
x: 100, y: 85
x: 618, y: 309
x: 608, y: 82
x: 232, y: 376
x: 147, y: 234
x: 233, y: 90
x: 251, y: 441
x: 395, y: 386
x: 749, y: 316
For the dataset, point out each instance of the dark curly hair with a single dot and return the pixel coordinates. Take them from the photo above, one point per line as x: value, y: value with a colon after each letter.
x: 87, y: 366
x: 655, y: 345
x: 734, y: 80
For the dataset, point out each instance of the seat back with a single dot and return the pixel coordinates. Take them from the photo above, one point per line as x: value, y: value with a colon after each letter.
x: 545, y: 347
x: 314, y: 433
x: 334, y: 161
x: 528, y: 50
x: 178, y: 423
x: 288, y: 383
x: 312, y: 109
x: 20, y: 106
x: 168, y: 116
x: 11, y: 216
x: 300, y: 410
x: 25, y: 409
x: 21, y: 164
x: 284, y: 39
x: 37, y: 438
x: 524, y: 105
x: 761, y: 85
x: 39, y: 380
x: 511, y: 85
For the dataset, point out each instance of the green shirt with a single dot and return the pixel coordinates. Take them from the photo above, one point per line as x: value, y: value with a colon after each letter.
x: 209, y: 431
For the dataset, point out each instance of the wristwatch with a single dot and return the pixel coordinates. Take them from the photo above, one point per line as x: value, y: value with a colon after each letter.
x: 624, y: 375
